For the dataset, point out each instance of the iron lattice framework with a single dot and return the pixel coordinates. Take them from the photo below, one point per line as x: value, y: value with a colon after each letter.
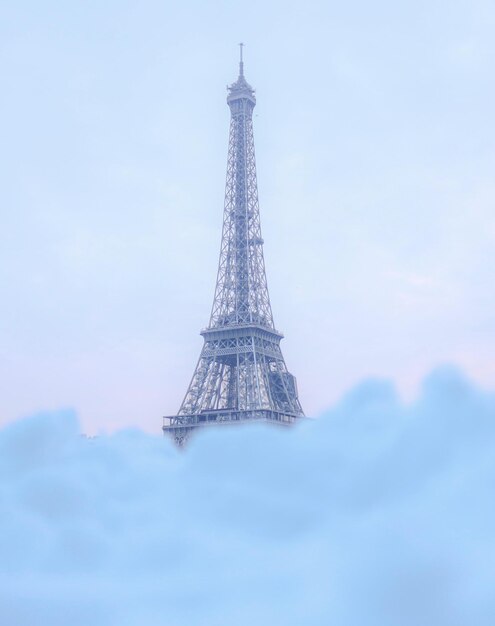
x: 241, y: 374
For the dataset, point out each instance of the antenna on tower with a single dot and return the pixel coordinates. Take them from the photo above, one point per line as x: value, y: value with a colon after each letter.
x: 241, y: 62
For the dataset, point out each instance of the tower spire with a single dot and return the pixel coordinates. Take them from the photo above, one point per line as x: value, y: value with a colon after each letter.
x: 241, y: 62
x: 241, y: 374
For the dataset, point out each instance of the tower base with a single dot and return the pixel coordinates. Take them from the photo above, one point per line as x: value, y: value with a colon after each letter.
x: 180, y: 427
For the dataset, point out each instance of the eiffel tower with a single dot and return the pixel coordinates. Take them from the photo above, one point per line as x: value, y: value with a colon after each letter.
x: 241, y: 374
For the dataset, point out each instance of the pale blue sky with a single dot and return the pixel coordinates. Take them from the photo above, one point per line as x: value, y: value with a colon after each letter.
x: 375, y: 151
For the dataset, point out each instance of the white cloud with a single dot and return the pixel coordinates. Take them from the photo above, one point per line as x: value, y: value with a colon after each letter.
x: 377, y: 513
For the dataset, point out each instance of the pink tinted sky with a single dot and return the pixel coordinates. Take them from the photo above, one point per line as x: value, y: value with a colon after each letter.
x: 375, y: 151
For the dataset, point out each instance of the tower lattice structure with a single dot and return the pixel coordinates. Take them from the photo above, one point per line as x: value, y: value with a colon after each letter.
x: 241, y: 374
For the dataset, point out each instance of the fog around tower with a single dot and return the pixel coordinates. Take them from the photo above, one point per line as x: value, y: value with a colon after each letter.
x: 377, y: 514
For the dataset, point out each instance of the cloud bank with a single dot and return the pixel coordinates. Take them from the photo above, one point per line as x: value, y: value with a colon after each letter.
x: 376, y: 514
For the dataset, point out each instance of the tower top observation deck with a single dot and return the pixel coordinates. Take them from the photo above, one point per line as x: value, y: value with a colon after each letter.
x: 241, y: 89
